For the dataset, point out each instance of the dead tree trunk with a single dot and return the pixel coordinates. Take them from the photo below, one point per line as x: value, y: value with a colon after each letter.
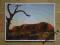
x: 11, y: 16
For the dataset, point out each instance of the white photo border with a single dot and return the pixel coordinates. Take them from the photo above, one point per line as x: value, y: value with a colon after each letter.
x: 32, y: 40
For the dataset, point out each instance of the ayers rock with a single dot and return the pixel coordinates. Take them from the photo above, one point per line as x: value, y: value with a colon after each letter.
x: 41, y: 27
x: 40, y: 31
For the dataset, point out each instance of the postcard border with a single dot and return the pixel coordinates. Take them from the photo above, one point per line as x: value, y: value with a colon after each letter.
x: 31, y: 40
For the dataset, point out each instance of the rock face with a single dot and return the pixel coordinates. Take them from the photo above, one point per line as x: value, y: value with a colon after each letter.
x: 40, y: 31
x: 41, y: 27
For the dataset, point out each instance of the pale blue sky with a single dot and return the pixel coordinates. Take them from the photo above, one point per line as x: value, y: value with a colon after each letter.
x: 39, y: 13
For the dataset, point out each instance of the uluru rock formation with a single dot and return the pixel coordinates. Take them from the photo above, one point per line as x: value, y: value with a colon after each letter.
x: 40, y: 31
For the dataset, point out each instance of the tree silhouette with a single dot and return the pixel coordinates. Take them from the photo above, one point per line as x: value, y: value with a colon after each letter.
x: 11, y: 16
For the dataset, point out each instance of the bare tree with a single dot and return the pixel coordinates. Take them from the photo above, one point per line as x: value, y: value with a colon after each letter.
x: 12, y: 14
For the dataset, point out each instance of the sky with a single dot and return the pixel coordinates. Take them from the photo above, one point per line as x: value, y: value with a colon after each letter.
x: 39, y: 13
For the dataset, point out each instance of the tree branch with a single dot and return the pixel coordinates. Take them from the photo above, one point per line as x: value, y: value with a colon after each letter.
x: 9, y: 9
x: 21, y: 11
x: 16, y: 11
x: 16, y: 8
